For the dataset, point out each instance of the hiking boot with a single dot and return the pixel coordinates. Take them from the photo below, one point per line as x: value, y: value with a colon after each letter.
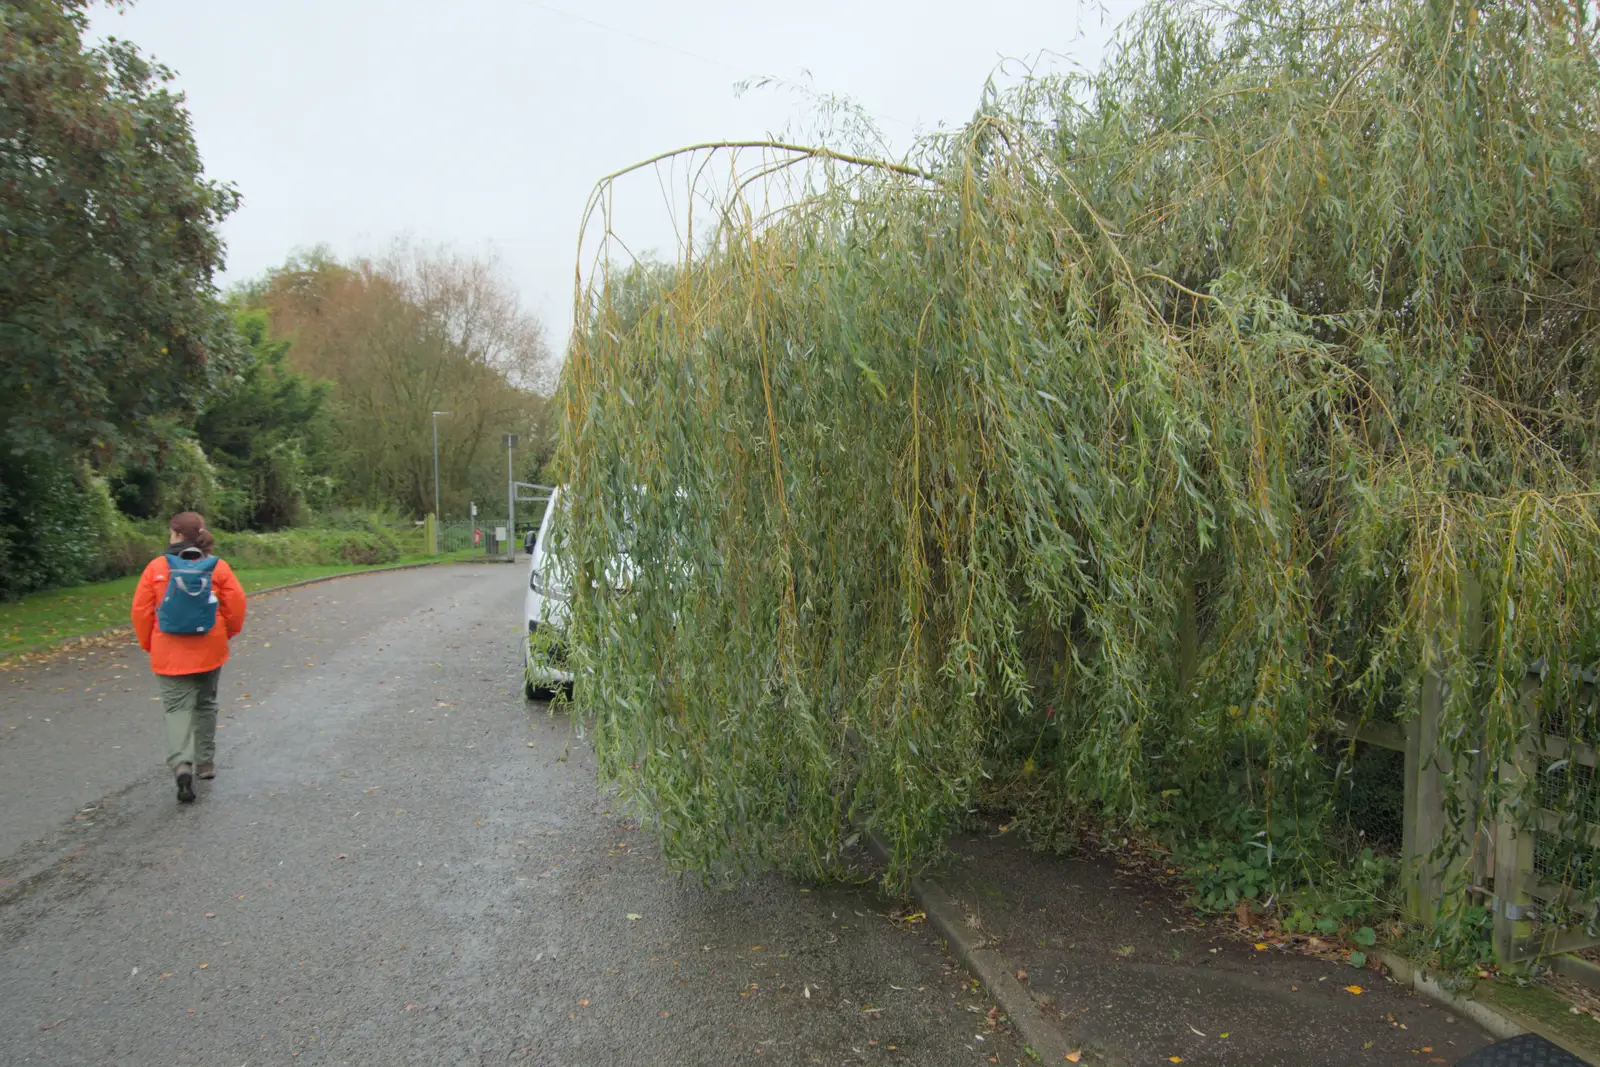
x: 207, y: 771
x: 185, y: 779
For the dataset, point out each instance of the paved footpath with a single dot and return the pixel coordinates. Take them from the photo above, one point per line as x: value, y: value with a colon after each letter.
x: 403, y: 863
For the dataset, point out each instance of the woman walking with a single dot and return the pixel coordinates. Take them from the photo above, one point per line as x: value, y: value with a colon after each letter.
x: 188, y: 606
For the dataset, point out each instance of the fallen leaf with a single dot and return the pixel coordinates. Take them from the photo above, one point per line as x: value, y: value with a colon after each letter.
x: 1193, y: 1030
x: 341, y: 856
x: 211, y: 915
x: 1261, y: 946
x: 1427, y: 1048
x: 634, y: 916
x: 1355, y: 990
x: 583, y: 1003
x: 1223, y: 1035
x: 412, y: 1007
x: 1022, y: 976
x: 203, y: 966
x: 1174, y: 1059
x: 1074, y: 1056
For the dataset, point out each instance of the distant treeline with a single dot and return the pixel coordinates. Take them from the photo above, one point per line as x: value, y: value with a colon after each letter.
x: 131, y: 387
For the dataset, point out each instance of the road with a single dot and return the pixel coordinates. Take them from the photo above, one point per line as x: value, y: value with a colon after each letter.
x: 402, y: 862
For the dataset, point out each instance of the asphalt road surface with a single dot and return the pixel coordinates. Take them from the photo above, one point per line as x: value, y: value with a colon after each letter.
x: 401, y: 862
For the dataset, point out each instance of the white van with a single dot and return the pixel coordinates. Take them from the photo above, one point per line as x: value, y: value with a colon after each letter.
x: 545, y: 609
x: 547, y: 604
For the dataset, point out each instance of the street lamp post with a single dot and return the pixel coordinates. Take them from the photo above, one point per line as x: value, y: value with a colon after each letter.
x: 436, y: 415
x: 511, y: 498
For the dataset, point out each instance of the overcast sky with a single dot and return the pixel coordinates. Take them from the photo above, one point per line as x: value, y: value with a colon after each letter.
x: 485, y: 124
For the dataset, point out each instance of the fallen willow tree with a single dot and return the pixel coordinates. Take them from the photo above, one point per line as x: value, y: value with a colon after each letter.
x: 1098, y: 457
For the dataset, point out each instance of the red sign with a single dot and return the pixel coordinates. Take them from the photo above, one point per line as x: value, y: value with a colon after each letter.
x: 477, y: 537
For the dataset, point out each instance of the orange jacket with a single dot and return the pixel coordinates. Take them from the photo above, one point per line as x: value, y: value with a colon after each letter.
x: 186, y: 653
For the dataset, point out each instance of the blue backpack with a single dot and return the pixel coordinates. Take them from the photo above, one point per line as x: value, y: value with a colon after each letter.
x: 190, y: 606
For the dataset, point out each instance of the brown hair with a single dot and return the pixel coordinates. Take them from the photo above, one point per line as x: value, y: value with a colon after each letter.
x: 191, y: 526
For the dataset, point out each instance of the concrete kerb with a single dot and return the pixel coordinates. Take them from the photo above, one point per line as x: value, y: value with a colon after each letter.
x: 1044, y: 1038
x: 68, y: 642
x: 1497, y: 1019
x: 1492, y: 1019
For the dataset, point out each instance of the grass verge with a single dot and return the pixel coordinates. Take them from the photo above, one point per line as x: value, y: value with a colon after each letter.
x: 36, y: 622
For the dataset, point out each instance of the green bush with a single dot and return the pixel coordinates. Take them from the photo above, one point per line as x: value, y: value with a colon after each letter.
x: 130, y: 546
x: 50, y: 524
x: 373, y: 544
x: 122, y: 546
x: 175, y: 476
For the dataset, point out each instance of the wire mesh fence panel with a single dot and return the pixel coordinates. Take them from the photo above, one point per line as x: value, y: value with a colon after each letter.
x: 1546, y: 902
x: 456, y: 536
x: 1371, y: 798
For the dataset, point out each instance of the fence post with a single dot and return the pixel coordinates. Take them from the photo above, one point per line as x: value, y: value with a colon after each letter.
x: 1476, y: 769
x: 1429, y: 772
x: 430, y: 534
x: 1424, y: 801
x: 1513, y: 859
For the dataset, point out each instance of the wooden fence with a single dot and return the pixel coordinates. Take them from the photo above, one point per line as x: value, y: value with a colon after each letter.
x: 1526, y: 876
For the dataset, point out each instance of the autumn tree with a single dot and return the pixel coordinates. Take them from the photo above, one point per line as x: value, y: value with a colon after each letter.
x: 402, y: 336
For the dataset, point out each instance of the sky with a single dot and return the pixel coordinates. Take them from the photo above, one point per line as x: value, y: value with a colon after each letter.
x: 484, y: 125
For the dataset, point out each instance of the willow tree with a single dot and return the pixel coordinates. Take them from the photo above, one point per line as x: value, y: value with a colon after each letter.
x: 1110, y: 447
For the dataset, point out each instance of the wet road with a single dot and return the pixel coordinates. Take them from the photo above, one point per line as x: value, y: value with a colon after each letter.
x: 401, y: 862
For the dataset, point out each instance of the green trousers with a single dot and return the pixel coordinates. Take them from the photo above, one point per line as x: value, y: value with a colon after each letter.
x: 191, y: 703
